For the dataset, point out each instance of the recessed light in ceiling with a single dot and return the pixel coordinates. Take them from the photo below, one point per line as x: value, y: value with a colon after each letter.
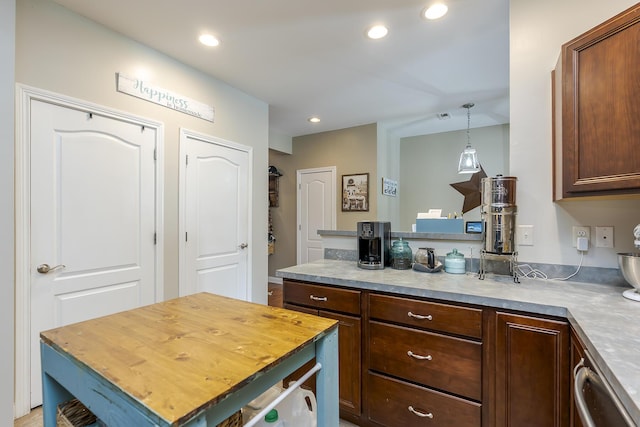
x: 208, y: 40
x: 435, y: 11
x: 314, y: 119
x: 377, y: 32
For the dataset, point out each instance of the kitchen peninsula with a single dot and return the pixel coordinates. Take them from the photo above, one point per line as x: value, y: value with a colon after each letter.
x: 604, y: 322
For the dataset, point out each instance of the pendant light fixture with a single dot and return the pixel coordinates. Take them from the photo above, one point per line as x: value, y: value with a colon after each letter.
x: 468, y: 158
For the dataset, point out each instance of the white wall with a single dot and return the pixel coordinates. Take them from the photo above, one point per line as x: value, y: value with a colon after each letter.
x: 60, y: 51
x: 388, y: 160
x: 7, y: 321
x: 538, y: 29
x: 429, y: 165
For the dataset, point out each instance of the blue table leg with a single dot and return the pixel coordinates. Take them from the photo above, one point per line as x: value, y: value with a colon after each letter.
x: 327, y: 386
x: 53, y: 394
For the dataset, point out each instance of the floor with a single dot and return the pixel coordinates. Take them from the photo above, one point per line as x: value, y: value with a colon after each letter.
x: 34, y: 419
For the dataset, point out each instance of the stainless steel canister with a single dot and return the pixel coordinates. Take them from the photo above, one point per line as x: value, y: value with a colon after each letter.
x: 499, y: 214
x: 499, y: 192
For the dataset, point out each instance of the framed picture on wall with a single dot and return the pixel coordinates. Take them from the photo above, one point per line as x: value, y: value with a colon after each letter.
x: 355, y: 192
x: 389, y: 187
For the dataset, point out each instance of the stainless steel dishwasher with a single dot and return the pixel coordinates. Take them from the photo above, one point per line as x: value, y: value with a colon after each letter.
x: 597, y: 403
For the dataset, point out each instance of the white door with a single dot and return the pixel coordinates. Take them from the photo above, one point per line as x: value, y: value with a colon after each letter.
x: 93, y: 218
x: 316, y: 210
x: 214, y: 223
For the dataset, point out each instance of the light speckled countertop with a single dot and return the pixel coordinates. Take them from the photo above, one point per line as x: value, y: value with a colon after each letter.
x: 607, y: 323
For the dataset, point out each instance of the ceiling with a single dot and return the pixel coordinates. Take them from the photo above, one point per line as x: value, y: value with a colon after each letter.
x: 311, y: 58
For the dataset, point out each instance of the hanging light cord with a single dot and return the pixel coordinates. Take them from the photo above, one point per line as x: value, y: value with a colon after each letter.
x: 468, y: 107
x: 468, y: 125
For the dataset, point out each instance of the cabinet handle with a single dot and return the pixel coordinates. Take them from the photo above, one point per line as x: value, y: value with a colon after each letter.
x: 419, y: 413
x: 315, y: 298
x: 419, y: 316
x: 417, y: 356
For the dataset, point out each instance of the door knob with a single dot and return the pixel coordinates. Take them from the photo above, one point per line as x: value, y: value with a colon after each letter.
x: 45, y: 268
x: 243, y: 246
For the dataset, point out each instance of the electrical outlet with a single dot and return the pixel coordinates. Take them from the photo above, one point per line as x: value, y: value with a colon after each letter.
x: 525, y: 235
x: 604, y: 237
x: 583, y: 231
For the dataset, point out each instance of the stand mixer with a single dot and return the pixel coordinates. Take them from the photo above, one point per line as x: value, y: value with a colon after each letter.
x: 630, y: 267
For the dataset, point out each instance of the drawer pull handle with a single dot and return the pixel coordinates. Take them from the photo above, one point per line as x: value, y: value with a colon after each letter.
x: 419, y: 316
x: 417, y: 356
x: 315, y: 298
x: 419, y: 413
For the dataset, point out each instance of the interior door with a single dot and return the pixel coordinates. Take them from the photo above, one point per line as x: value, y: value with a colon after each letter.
x: 215, y: 216
x: 316, y: 210
x: 92, y: 220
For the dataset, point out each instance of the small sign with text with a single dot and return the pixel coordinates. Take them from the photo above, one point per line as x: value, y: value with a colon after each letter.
x: 145, y: 90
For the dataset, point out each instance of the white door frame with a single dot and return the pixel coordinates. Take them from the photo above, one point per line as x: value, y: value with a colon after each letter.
x: 334, y: 213
x: 182, y: 203
x: 24, y: 96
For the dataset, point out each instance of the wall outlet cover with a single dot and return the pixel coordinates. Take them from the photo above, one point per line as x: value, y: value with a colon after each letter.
x: 580, y: 231
x: 604, y: 237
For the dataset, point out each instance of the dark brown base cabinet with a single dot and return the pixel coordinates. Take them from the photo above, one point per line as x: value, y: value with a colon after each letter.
x: 342, y: 305
x: 409, y: 361
x: 532, y: 371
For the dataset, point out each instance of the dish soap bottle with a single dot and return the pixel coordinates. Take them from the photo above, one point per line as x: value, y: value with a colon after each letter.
x: 401, y: 255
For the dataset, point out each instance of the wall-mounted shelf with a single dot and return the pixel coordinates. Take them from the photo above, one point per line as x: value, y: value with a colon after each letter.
x: 274, y: 178
x: 410, y: 235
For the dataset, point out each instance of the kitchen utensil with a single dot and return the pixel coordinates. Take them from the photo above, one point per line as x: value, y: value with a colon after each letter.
x: 424, y: 269
x: 426, y: 256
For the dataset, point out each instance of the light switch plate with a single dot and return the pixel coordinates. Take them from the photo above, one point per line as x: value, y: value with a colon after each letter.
x: 525, y: 235
x: 604, y: 237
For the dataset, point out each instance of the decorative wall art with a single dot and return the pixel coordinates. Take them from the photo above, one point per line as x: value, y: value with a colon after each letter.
x: 389, y: 187
x: 471, y: 190
x: 355, y: 192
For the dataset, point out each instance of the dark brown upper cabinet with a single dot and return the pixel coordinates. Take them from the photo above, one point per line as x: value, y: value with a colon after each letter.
x: 596, y: 111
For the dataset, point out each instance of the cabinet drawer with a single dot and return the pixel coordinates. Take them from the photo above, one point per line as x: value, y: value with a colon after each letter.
x: 391, y: 402
x: 322, y: 297
x: 446, y: 363
x: 427, y: 315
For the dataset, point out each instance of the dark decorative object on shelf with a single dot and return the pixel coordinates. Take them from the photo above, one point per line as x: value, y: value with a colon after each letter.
x: 471, y: 190
x: 274, y: 176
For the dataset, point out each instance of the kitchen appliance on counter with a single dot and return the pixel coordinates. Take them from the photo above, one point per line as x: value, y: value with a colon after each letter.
x: 374, y: 241
x: 498, y: 210
x: 629, y: 264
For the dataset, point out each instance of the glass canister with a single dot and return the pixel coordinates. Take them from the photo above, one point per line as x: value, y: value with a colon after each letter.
x: 401, y: 255
x: 454, y: 263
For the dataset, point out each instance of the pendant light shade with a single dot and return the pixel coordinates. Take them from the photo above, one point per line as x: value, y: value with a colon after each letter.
x: 468, y: 158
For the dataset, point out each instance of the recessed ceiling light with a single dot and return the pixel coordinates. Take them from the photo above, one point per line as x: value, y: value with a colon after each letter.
x: 435, y: 11
x: 377, y: 32
x: 208, y: 40
x: 314, y: 119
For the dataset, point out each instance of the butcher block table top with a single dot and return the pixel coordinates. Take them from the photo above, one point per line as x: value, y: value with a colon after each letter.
x: 181, y: 357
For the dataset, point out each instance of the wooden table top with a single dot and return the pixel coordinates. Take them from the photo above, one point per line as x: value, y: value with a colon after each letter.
x: 183, y: 355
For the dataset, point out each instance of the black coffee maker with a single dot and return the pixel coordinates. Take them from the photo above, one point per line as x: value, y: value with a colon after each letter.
x: 374, y: 243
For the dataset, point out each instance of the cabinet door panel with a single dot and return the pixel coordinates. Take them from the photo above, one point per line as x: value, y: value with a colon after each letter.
x: 598, y: 127
x: 446, y: 363
x: 350, y: 361
x: 532, y: 371
x: 322, y: 297
x: 427, y: 315
x: 389, y: 401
